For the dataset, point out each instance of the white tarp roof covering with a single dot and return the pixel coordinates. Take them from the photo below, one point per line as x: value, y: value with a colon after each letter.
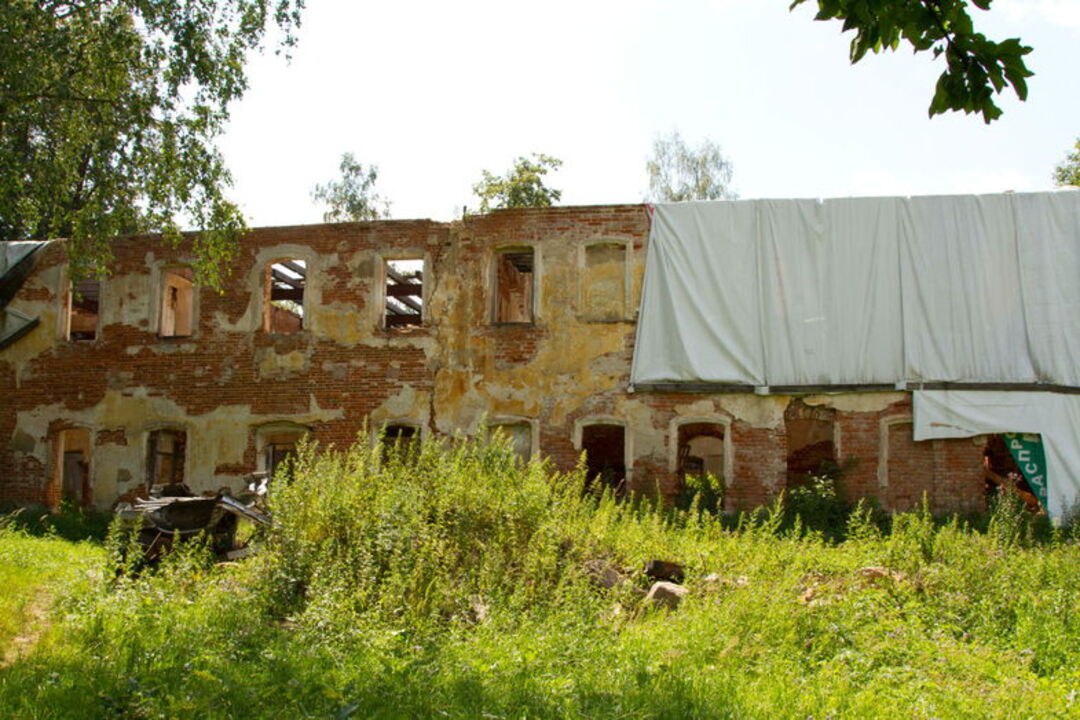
x: 863, y: 291
x: 1055, y: 416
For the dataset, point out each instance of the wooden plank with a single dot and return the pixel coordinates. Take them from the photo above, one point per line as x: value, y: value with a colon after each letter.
x: 283, y: 278
x: 406, y: 290
x: 298, y: 269
x: 403, y: 320
x: 294, y: 294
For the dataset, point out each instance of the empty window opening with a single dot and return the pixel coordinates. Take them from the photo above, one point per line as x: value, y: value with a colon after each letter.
x: 401, y: 439
x: 83, y: 310
x: 177, y: 302
x: 605, y: 282
x: 404, y: 293
x: 72, y: 470
x: 514, y: 286
x: 285, y: 307
x: 165, y: 458
x: 701, y: 450
x: 519, y: 434
x: 811, y: 442
x: 605, y: 455
x: 1003, y: 473
x: 279, y: 449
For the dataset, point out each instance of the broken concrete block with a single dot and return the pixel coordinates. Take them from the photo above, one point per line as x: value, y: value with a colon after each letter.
x: 666, y: 594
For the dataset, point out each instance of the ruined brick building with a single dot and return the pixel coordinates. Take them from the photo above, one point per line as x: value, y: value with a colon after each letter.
x: 521, y: 319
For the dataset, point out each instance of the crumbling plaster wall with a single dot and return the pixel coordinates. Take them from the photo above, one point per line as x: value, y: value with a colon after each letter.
x: 345, y: 371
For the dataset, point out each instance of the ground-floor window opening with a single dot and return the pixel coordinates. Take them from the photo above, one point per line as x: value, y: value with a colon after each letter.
x: 519, y: 435
x: 811, y: 433
x: 701, y: 450
x: 72, y: 474
x: 400, y: 438
x: 279, y: 448
x: 605, y: 455
x: 165, y: 458
x: 1003, y: 474
x: 286, y: 281
x: 404, y: 293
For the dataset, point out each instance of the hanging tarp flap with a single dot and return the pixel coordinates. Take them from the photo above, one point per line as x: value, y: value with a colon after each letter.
x: 863, y: 292
x: 696, y: 324
x: 1048, y: 228
x: 962, y: 306
x: 1055, y: 417
x: 829, y: 291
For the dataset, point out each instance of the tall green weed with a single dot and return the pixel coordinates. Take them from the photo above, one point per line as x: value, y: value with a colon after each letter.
x: 448, y: 580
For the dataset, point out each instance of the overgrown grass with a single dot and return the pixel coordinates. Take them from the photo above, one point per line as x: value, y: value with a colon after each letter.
x: 32, y: 570
x: 452, y: 583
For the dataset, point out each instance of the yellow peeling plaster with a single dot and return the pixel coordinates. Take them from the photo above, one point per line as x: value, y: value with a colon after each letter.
x: 408, y: 405
x: 219, y: 437
x: 559, y: 378
x: 48, y: 312
x: 126, y: 299
x: 857, y: 402
x: 272, y: 364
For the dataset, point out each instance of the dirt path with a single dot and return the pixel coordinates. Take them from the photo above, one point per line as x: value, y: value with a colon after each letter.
x: 35, y: 622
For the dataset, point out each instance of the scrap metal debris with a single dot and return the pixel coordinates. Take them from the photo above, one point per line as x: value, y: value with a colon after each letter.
x: 173, y: 514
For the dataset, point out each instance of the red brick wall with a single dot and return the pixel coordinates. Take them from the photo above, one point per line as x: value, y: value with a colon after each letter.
x: 560, y: 371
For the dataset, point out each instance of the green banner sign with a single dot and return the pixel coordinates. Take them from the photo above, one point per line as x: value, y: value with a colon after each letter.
x: 1027, y: 451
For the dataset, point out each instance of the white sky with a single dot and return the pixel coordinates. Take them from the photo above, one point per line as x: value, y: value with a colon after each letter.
x: 433, y: 92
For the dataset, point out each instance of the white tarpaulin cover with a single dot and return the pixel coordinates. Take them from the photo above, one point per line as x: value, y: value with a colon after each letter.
x: 943, y: 414
x: 863, y: 291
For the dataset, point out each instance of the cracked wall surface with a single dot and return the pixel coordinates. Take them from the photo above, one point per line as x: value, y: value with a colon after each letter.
x: 460, y: 370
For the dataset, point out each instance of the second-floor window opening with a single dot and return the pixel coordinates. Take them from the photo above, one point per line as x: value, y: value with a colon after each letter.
x: 514, y: 281
x: 404, y: 293
x: 605, y: 281
x: 83, y: 310
x: 285, y: 311
x: 177, y: 302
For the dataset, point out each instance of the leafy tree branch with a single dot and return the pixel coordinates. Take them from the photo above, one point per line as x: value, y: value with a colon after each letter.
x: 109, y: 113
x: 977, y: 69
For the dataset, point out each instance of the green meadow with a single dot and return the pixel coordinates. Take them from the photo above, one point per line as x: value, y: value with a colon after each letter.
x: 450, y: 580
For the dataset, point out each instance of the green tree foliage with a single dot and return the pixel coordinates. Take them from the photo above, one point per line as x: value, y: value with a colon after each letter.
x: 678, y: 172
x: 976, y: 68
x: 353, y: 197
x: 1068, y: 172
x: 522, y: 186
x: 108, y: 114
